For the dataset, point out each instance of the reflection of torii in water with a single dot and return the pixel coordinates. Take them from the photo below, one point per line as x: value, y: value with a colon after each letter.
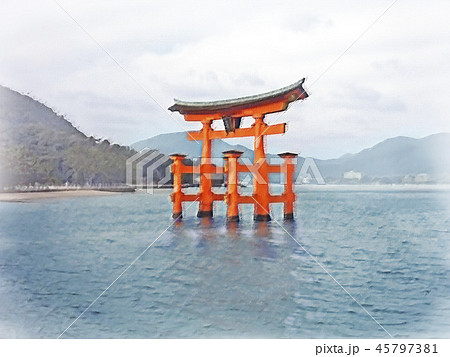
x: 231, y: 112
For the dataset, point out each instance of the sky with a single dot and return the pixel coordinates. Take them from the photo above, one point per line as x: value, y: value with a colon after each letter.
x: 374, y: 70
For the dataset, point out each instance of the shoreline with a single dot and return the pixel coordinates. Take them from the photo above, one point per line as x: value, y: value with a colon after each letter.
x: 50, y: 194
x: 374, y: 188
x: 55, y: 193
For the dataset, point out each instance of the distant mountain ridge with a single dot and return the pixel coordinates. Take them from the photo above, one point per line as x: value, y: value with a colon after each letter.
x: 392, y: 160
x: 178, y: 143
x: 395, y: 157
x: 38, y: 146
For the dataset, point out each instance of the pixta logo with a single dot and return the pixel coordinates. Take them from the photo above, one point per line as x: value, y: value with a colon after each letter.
x: 306, y: 172
x: 148, y: 169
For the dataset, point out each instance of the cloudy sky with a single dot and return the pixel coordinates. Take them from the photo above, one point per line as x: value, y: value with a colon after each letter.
x: 374, y: 70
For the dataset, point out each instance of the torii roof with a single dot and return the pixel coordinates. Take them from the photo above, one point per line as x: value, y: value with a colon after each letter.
x: 244, y: 105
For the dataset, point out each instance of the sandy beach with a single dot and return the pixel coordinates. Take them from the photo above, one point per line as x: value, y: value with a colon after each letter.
x: 31, y: 196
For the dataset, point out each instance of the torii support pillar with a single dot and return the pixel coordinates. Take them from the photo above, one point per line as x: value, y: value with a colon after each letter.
x: 232, y: 195
x: 177, y: 194
x: 288, y: 169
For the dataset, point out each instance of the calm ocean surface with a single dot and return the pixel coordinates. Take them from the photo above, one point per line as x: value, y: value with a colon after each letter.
x: 389, y: 249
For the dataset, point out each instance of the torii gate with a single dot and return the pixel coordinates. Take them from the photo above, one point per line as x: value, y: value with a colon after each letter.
x: 231, y: 111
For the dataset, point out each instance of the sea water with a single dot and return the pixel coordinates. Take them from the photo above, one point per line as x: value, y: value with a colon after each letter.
x: 355, y: 263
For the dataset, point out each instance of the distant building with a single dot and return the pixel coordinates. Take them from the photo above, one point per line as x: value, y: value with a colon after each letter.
x: 408, y: 179
x: 352, y: 175
x: 306, y: 180
x: 422, y: 178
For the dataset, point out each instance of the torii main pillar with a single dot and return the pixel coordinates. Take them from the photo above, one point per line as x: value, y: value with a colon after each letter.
x: 261, y: 211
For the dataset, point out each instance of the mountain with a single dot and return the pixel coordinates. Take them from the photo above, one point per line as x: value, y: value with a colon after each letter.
x: 178, y: 143
x: 395, y: 158
x: 39, y: 146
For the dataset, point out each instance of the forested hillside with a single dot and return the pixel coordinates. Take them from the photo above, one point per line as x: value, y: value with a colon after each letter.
x: 39, y: 146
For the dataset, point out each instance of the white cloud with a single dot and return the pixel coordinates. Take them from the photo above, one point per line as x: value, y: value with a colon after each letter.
x: 393, y: 81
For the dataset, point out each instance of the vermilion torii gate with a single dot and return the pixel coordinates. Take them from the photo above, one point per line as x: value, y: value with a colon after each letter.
x: 231, y: 112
